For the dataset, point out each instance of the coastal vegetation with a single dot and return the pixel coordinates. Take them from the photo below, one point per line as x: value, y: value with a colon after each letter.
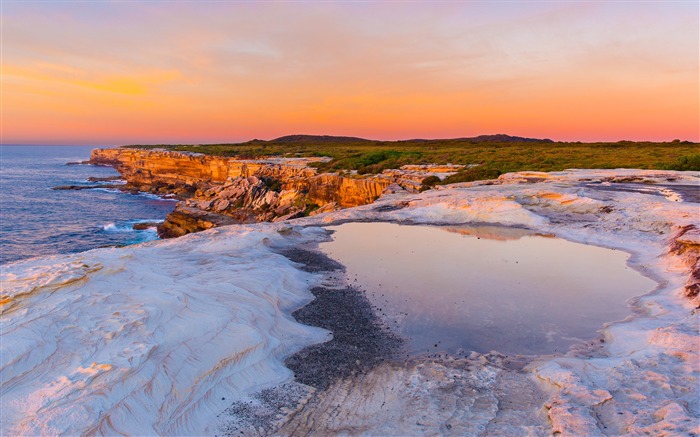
x: 495, y: 154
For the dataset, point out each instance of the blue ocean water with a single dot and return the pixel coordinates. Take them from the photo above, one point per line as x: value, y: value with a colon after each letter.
x: 36, y: 220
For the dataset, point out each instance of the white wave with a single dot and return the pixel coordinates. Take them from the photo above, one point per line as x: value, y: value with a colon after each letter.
x: 107, y: 190
x: 158, y: 197
x: 133, y: 222
x: 166, y: 197
x: 128, y: 226
x: 109, y: 182
x: 109, y: 227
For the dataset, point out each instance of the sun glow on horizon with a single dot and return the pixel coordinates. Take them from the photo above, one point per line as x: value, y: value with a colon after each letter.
x: 125, y: 73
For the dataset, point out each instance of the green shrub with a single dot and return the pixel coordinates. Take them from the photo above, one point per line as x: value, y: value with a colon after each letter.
x: 375, y: 156
x: 686, y: 163
x: 272, y: 184
x: 430, y: 181
x: 310, y: 207
x: 477, y: 173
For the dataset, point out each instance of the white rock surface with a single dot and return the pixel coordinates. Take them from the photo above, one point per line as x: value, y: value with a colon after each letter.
x: 148, y: 339
x: 644, y: 378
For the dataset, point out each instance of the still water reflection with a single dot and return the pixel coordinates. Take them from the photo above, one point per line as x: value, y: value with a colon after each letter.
x: 459, y: 289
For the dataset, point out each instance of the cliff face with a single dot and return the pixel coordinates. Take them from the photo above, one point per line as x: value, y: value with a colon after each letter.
x: 219, y: 190
x: 344, y: 191
x: 147, y: 167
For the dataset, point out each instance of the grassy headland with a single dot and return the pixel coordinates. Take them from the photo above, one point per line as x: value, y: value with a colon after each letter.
x: 496, y: 153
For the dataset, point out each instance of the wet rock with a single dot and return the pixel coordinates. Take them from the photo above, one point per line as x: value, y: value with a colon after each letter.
x: 86, y: 187
x: 145, y: 225
x: 184, y: 220
x: 105, y: 179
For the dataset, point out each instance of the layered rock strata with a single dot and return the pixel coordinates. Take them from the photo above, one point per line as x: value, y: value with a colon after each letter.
x: 216, y: 190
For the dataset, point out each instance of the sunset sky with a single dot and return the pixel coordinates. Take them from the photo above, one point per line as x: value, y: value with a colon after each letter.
x: 103, y: 73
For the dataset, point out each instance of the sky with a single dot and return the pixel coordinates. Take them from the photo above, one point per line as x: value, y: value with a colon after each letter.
x: 148, y: 72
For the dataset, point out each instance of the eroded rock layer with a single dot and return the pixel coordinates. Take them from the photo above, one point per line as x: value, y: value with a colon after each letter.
x: 219, y: 190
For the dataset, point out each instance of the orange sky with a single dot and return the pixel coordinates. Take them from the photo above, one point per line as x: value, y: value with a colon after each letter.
x: 177, y: 72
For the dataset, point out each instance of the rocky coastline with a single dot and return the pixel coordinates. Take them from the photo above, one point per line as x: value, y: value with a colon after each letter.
x: 216, y: 191
x: 119, y: 314
x: 481, y: 393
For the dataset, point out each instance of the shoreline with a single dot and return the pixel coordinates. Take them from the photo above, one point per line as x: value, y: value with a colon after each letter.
x: 584, y: 390
x: 324, y: 373
x: 560, y: 413
x: 362, y: 346
x: 217, y: 190
x: 38, y: 221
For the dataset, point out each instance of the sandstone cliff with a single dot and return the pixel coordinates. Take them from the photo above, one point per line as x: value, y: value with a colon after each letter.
x: 163, y: 170
x: 219, y: 190
x: 215, y: 190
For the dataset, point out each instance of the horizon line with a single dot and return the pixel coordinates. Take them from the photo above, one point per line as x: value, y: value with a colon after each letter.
x: 191, y: 143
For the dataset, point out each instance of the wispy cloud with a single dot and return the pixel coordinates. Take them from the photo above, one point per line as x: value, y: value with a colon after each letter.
x: 56, y: 75
x: 178, y: 71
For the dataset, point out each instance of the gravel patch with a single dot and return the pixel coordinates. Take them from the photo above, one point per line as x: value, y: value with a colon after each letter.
x: 259, y: 414
x: 360, y: 340
x: 360, y: 343
x: 313, y: 262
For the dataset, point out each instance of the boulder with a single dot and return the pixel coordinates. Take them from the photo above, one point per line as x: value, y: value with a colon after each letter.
x: 289, y: 216
x: 221, y: 205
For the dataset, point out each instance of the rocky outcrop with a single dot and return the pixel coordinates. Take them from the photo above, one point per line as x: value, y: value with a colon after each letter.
x: 686, y: 244
x: 344, y: 191
x: 218, y: 190
x: 157, y: 166
x: 86, y: 187
x: 184, y: 220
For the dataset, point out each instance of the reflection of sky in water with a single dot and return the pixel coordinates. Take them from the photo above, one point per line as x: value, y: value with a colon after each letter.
x: 486, y: 288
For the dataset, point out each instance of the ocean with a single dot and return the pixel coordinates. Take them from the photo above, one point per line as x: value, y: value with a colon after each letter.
x: 36, y: 220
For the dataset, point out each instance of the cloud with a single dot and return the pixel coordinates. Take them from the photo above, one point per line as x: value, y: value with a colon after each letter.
x: 239, y: 70
x: 56, y: 75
